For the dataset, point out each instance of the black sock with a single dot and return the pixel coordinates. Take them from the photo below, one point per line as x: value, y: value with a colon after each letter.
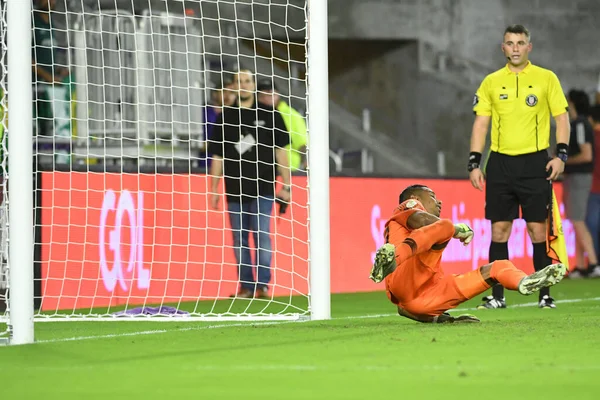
x: 590, y: 268
x: 540, y: 261
x: 498, y: 251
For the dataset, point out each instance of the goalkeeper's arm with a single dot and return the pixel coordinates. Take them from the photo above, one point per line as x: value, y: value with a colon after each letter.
x: 420, y: 219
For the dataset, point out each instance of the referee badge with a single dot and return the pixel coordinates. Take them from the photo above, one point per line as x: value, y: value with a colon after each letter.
x: 475, y: 100
x: 531, y: 100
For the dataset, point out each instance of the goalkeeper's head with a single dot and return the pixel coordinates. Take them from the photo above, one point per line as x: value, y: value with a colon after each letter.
x: 244, y: 80
x: 425, y: 196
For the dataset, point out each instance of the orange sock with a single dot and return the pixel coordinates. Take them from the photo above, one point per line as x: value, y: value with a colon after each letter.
x: 507, y: 274
x: 422, y: 239
x: 471, y: 284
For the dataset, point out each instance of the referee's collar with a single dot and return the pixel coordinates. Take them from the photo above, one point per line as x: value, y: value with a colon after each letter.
x: 525, y: 70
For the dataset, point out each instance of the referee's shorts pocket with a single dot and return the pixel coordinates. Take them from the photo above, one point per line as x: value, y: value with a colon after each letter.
x: 501, y: 203
x: 534, y: 197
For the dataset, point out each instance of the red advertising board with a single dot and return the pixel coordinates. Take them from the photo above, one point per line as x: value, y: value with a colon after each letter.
x: 110, y: 239
x: 360, y: 208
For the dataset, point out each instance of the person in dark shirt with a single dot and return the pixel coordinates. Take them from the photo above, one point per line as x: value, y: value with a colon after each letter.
x: 247, y: 146
x: 220, y: 97
x: 578, y: 180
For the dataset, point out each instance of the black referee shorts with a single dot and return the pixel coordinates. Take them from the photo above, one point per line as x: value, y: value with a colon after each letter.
x: 514, y: 181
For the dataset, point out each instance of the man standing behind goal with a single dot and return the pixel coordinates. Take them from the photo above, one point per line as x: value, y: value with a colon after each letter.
x: 519, y: 99
x: 248, y: 144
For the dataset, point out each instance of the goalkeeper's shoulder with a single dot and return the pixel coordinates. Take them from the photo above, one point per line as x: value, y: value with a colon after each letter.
x: 406, y: 210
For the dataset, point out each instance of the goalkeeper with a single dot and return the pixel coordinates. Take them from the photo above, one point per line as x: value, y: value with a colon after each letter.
x: 410, y: 263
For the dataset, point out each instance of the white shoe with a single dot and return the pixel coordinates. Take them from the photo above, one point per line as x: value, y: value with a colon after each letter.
x: 547, y: 302
x: 595, y: 273
x: 548, y: 276
x: 576, y: 274
x: 490, y: 302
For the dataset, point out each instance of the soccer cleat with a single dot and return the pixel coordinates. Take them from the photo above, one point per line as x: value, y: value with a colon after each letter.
x: 492, y: 302
x: 548, y: 276
x: 547, y: 302
x: 385, y: 263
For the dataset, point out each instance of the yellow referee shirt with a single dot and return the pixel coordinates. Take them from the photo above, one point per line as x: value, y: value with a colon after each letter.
x: 520, y: 106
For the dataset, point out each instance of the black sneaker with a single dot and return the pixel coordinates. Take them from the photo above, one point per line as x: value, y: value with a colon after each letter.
x: 547, y: 302
x: 242, y: 294
x: 491, y: 302
x: 578, y: 273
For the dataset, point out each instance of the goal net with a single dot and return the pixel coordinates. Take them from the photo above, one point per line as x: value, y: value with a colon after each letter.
x: 3, y: 144
x: 136, y: 104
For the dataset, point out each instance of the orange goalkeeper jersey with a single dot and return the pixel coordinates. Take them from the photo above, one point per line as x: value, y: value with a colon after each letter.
x: 415, y: 276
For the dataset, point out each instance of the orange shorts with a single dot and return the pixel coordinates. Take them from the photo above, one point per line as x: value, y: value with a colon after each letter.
x: 448, y: 293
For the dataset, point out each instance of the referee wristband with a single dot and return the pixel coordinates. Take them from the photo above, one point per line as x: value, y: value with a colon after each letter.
x: 562, y: 151
x: 474, y: 161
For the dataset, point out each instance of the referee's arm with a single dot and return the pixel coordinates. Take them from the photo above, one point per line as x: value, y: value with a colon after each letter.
x: 559, y: 109
x: 478, y: 135
x: 563, y: 133
x: 479, y: 132
x: 482, y: 107
x: 563, y: 128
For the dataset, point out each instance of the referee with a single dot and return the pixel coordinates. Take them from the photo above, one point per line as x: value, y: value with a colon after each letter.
x: 519, y: 99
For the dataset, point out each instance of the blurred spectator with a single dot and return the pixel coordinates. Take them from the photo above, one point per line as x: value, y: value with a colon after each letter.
x: 229, y: 93
x: 51, y: 80
x: 578, y: 181
x: 247, y: 147
x: 294, y: 122
x: 598, y: 91
x: 593, y: 209
x: 222, y: 96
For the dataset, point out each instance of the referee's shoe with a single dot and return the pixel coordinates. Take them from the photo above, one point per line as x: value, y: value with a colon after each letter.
x: 492, y: 302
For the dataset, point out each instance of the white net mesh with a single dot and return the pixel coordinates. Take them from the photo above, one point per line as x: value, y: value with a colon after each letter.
x: 126, y: 99
x: 3, y: 165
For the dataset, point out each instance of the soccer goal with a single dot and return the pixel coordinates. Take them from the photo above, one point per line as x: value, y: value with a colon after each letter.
x: 112, y: 136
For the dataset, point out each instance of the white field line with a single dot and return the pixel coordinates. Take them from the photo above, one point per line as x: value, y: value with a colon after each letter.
x: 359, y: 368
x: 217, y: 326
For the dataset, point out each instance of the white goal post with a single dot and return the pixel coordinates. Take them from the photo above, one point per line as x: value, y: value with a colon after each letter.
x: 119, y: 133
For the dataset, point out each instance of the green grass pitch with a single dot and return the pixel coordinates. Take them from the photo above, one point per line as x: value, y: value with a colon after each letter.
x: 364, y: 352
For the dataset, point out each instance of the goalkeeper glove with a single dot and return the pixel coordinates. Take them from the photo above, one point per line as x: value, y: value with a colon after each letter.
x: 466, y: 318
x: 464, y: 233
x: 446, y: 318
